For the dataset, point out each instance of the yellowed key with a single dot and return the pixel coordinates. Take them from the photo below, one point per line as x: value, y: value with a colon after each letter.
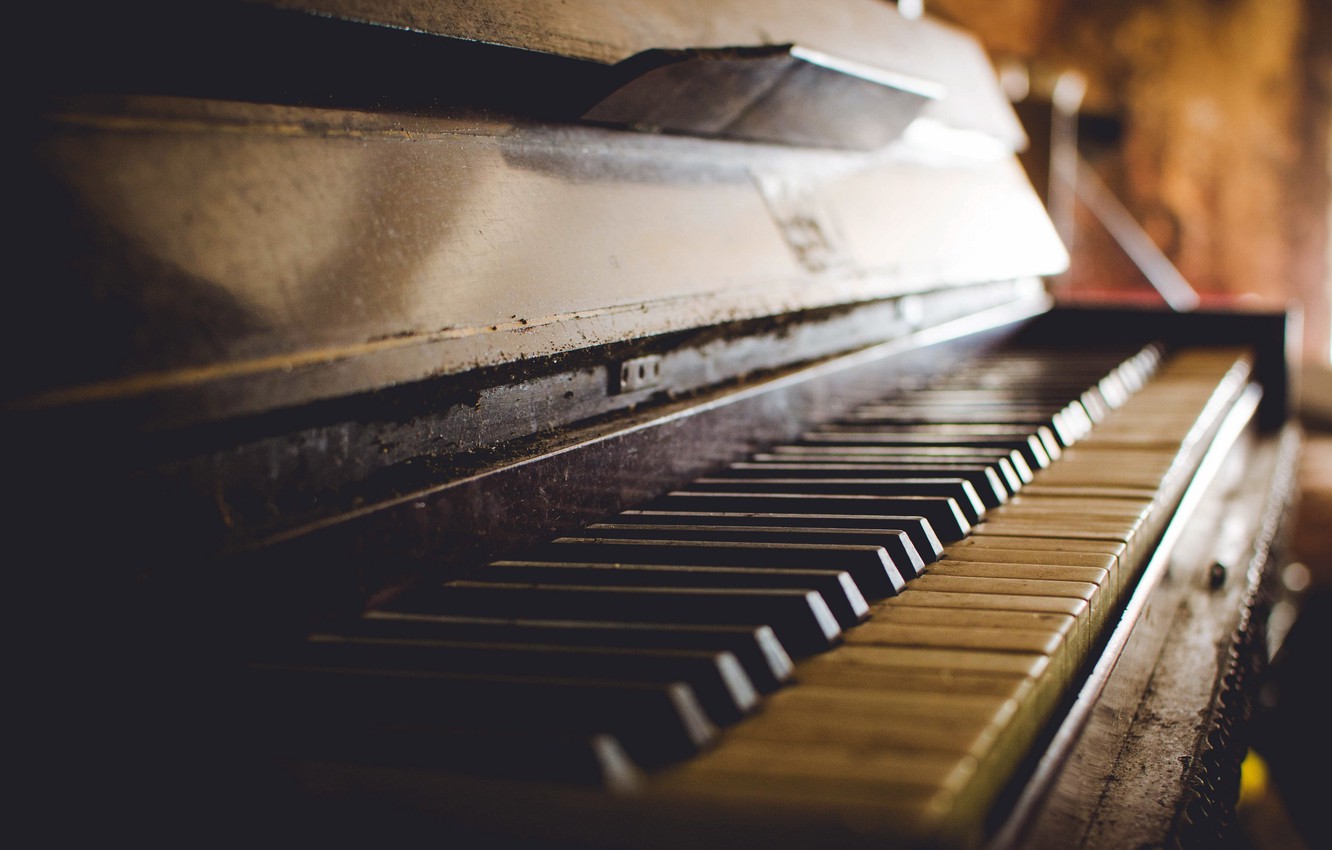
x: 1047, y: 642
x: 971, y: 636
x: 1085, y: 592
x: 961, y: 723
x: 904, y: 770
x: 809, y: 792
x: 1101, y: 600
x: 998, y: 543
x: 967, y: 618
x: 1081, y: 491
x: 1024, y: 506
x: 1072, y: 528
x: 815, y: 671
x: 1026, y: 665
x: 849, y: 763
x: 1079, y: 610
x: 980, y: 553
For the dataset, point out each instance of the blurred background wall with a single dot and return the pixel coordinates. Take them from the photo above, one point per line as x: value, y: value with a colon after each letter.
x: 1209, y: 119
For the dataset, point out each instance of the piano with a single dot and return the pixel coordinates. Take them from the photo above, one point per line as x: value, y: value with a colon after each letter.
x: 606, y: 424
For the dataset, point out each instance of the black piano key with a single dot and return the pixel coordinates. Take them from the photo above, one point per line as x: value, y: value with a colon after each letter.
x: 1010, y: 462
x: 957, y: 489
x: 986, y: 430
x: 924, y: 542
x: 1064, y: 427
x: 837, y: 588
x: 658, y: 723
x: 800, y: 619
x: 756, y: 647
x: 917, y: 412
x: 1053, y: 447
x: 896, y: 543
x: 1011, y: 398
x: 1032, y: 449
x: 870, y: 566
x: 985, y: 479
x: 586, y: 759
x: 999, y: 469
x: 942, y: 513
x: 717, y: 678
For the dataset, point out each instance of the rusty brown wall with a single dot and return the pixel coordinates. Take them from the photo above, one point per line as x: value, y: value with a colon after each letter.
x: 1225, y: 107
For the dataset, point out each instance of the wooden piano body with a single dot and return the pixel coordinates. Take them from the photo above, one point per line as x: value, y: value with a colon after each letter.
x: 375, y: 294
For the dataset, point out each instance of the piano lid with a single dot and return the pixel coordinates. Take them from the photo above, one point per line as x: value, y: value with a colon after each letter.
x: 205, y: 257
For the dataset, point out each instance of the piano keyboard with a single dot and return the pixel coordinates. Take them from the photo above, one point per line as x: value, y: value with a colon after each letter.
x: 867, y: 628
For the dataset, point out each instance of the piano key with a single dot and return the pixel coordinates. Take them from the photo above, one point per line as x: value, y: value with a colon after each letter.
x: 943, y: 514
x: 1033, y: 506
x: 997, y: 454
x: 896, y: 544
x: 1110, y: 467
x: 1115, y: 532
x: 1059, y: 491
x: 966, y: 724
x: 1034, y: 549
x: 964, y: 634
x: 1107, y: 561
x: 949, y: 603
x: 1063, y: 429
x: 800, y: 619
x: 908, y: 790
x: 998, y: 543
x: 940, y: 661
x: 1030, y: 446
x: 1068, y: 422
x: 1042, y: 433
x: 838, y: 785
x: 756, y: 647
x: 923, y: 409
x: 873, y: 570
x: 1026, y: 394
x: 1000, y: 463
x: 656, y: 723
x: 836, y: 587
x: 987, y: 739
x: 922, y: 538
x: 1098, y: 577
x: 716, y: 678
x: 1135, y: 530
x: 1062, y: 647
x: 970, y: 633
x: 983, y: 479
x: 589, y: 760
x: 840, y: 675
x: 1093, y: 615
x: 955, y: 488
x: 1061, y: 624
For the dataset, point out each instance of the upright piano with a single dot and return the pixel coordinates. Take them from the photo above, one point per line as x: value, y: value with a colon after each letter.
x: 612, y: 424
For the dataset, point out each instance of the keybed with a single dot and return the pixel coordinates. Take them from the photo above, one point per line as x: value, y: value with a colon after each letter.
x: 940, y: 565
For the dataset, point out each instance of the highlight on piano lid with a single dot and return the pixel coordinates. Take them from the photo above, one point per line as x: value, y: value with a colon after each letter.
x: 645, y: 424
